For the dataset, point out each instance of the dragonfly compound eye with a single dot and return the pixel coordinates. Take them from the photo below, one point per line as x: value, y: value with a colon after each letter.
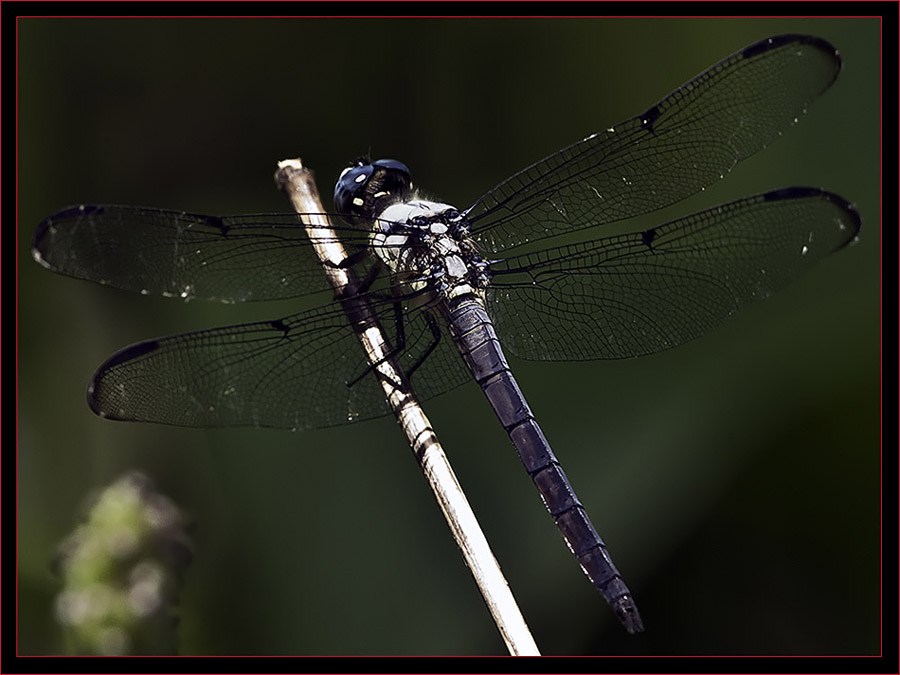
x: 366, y: 188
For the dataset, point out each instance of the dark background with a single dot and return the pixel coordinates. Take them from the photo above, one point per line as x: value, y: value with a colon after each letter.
x: 735, y: 479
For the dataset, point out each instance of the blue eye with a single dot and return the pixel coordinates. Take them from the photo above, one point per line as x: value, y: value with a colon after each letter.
x: 366, y: 188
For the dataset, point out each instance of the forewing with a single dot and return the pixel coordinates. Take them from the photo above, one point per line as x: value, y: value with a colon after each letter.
x: 676, y: 148
x: 177, y: 254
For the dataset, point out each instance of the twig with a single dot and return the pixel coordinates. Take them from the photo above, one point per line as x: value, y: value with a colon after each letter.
x: 295, y: 180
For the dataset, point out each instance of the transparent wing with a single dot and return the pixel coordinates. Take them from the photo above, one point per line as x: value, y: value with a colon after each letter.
x: 677, y: 147
x: 641, y: 293
x: 306, y: 370
x: 229, y: 259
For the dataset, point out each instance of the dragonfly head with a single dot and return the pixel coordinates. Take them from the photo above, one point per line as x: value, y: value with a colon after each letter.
x: 367, y: 188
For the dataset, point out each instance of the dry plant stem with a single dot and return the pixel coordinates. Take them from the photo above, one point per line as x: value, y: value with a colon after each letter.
x: 297, y: 182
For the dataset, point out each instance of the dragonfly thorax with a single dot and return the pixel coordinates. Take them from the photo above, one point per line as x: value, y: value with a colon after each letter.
x: 426, y: 243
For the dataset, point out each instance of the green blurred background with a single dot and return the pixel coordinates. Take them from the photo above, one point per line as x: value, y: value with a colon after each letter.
x: 735, y: 479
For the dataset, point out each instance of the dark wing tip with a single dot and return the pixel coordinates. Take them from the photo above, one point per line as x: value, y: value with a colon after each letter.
x: 852, y: 221
x: 778, y: 41
x: 98, y: 395
x: 39, y: 240
x: 95, y: 405
x: 42, y: 240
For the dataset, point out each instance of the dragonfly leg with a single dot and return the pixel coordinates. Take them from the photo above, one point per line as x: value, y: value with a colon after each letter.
x: 435, y: 341
x: 353, y: 258
x: 400, y: 332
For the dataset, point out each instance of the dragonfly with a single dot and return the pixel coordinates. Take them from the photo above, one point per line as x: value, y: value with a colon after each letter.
x: 454, y: 290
